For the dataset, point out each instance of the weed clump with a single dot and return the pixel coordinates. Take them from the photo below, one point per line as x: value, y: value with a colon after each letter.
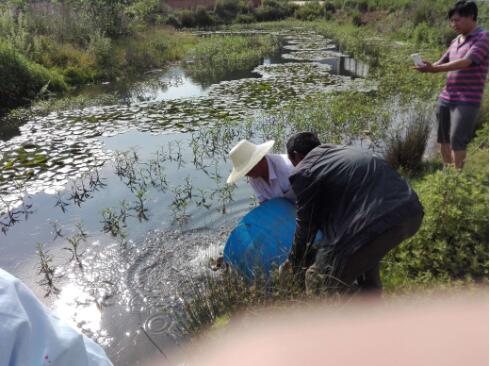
x: 406, y: 147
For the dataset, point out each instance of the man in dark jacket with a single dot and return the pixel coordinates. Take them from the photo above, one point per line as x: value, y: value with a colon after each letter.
x: 362, y: 206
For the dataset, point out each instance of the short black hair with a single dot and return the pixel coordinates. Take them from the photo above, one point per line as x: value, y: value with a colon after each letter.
x: 302, y: 142
x: 464, y: 8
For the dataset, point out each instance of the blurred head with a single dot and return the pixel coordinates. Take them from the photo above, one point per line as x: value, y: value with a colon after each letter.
x: 299, y: 145
x: 463, y: 16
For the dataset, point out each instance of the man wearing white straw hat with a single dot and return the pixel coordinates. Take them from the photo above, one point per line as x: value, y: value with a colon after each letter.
x: 268, y: 173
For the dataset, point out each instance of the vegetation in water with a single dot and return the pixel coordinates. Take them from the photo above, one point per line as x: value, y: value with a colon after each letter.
x: 215, y: 57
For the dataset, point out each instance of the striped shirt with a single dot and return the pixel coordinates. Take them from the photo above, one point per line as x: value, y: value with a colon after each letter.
x: 465, y: 86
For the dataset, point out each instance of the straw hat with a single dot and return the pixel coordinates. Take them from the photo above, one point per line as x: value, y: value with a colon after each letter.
x: 244, y: 156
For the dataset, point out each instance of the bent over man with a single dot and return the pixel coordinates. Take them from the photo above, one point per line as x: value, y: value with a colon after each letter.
x: 268, y: 174
x: 363, y: 207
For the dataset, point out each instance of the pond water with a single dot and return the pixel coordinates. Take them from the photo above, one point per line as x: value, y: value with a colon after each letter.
x: 135, y: 189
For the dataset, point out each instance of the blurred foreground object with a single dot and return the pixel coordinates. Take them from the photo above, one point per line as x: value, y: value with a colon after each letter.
x: 31, y: 335
x: 425, y: 331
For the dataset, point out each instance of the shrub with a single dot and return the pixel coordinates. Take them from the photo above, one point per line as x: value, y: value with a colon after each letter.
x: 173, y: 21
x: 357, y: 19
x: 101, y: 47
x: 453, y: 239
x: 186, y: 18
x: 309, y: 11
x: 227, y: 10
x: 14, y: 29
x: 245, y: 18
x: 329, y: 7
x: 143, y: 10
x: 406, y: 147
x: 22, y: 80
x: 153, y: 48
x: 423, y: 33
x: 202, y: 18
x: 273, y: 10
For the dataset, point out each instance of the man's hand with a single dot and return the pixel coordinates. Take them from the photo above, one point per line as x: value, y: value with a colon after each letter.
x: 285, y: 268
x: 428, y: 67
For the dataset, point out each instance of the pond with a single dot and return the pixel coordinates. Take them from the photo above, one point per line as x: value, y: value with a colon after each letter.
x: 128, y: 198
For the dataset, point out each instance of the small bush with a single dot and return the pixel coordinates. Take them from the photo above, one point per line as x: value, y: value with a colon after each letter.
x: 309, y: 11
x: 202, y: 18
x: 245, y: 18
x: 357, y: 19
x: 273, y: 10
x: 101, y: 47
x: 153, y: 48
x: 406, y: 147
x: 23, y: 80
x: 453, y: 240
x: 227, y: 10
x: 329, y: 7
x: 173, y: 21
x: 425, y: 34
x: 186, y: 18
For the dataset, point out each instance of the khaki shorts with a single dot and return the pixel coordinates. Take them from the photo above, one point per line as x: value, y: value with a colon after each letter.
x: 456, y: 125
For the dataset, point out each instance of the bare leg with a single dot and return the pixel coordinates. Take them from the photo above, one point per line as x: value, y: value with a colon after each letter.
x: 447, y: 157
x: 459, y: 158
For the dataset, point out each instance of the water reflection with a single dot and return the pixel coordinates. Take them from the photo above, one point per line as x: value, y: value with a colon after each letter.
x: 351, y: 66
x: 78, y: 308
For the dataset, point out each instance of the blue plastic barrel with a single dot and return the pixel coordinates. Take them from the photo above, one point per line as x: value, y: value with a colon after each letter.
x: 263, y: 238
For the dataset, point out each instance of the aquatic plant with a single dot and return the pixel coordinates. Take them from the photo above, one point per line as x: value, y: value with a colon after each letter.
x: 203, y: 198
x: 181, y: 200
x: 74, y: 242
x: 139, y: 207
x: 114, y: 223
x: 47, y: 270
x: 57, y: 230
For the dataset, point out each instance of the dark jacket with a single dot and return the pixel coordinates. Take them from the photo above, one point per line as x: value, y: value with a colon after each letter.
x: 351, y: 195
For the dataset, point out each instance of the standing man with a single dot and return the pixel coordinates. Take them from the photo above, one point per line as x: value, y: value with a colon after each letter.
x: 268, y: 173
x: 363, y: 207
x: 466, y: 62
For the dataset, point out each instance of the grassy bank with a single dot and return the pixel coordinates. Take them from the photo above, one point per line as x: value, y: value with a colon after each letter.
x: 48, y: 47
x: 63, y: 44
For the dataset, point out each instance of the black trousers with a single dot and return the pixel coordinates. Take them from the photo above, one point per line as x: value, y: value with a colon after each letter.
x: 364, y: 264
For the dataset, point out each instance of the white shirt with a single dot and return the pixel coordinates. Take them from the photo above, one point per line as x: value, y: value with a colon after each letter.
x: 31, y: 335
x: 278, y: 184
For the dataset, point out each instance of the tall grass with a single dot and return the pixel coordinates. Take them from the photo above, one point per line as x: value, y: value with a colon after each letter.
x: 226, y: 293
x: 23, y: 80
x: 154, y: 48
x: 216, y: 56
x: 406, y: 145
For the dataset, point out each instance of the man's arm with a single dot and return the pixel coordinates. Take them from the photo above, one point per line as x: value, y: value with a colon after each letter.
x: 444, y: 58
x: 306, y: 228
x: 445, y: 67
